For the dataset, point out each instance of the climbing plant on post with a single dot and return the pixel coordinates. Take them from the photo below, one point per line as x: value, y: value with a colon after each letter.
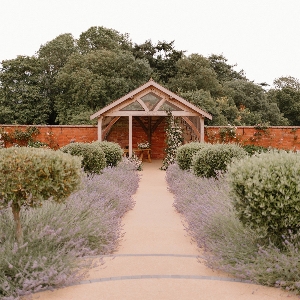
x: 174, y: 140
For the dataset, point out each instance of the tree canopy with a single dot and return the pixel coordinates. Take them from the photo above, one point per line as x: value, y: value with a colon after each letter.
x: 69, y: 79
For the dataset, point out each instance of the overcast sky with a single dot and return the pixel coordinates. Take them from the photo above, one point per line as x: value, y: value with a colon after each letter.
x: 261, y: 36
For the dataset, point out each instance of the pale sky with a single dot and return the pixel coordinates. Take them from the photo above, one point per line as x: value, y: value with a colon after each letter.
x: 261, y: 36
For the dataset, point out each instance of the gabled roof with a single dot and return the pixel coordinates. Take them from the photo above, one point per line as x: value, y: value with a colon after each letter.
x: 172, y: 97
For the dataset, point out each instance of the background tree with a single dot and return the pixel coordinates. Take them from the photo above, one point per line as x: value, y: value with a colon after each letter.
x: 89, y: 82
x: 224, y: 71
x: 248, y: 95
x: 287, y: 82
x: 69, y: 79
x: 222, y: 109
x: 101, y: 38
x: 287, y: 97
x: 195, y: 73
x: 53, y: 56
x: 23, y: 98
x: 162, y: 58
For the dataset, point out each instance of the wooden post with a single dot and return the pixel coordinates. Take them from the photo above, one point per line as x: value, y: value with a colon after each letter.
x: 149, y: 133
x: 100, y: 128
x: 201, y: 129
x: 130, y: 136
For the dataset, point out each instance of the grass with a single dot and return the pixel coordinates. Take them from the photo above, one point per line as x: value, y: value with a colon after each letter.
x: 228, y: 245
x: 58, y: 236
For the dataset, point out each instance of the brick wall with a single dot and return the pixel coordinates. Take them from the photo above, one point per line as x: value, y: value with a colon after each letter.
x: 58, y: 136
x: 280, y: 137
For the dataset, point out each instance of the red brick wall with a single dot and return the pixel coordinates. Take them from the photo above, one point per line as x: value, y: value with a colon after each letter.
x: 287, y: 138
x: 58, y: 136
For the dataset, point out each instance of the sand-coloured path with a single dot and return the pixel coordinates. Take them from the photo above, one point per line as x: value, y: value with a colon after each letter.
x: 156, y: 259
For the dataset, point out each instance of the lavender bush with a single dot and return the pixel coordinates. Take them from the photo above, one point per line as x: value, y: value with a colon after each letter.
x: 57, y: 237
x: 227, y: 244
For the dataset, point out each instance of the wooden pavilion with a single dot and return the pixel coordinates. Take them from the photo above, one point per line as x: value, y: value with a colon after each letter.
x: 148, y: 106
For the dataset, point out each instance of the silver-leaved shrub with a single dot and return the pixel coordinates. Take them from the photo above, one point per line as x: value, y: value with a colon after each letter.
x: 185, y: 153
x: 112, y: 151
x: 93, y: 157
x: 266, y: 193
x: 214, y: 158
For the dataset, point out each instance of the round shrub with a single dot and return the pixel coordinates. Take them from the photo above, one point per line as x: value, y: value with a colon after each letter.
x: 266, y: 192
x: 34, y: 174
x: 113, y: 152
x: 185, y: 153
x: 93, y: 157
x: 28, y: 176
x: 213, y: 158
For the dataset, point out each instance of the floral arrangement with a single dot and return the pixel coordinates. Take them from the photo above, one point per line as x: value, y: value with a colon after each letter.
x: 144, y: 145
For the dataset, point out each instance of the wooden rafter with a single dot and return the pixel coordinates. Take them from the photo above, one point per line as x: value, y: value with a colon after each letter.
x: 157, y: 123
x: 141, y: 123
x: 194, y: 128
x: 109, y: 126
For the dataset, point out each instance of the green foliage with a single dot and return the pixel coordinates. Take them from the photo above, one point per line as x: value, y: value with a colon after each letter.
x: 162, y: 58
x: 248, y: 95
x: 93, y: 157
x: 22, y: 91
x: 101, y: 38
x: 222, y: 109
x: 252, y: 149
x: 53, y: 56
x: 93, y: 80
x: 214, y: 158
x: 224, y: 71
x: 185, y: 153
x: 195, y: 73
x: 113, y: 152
x: 69, y: 79
x: 288, y: 101
x: 265, y: 189
x: 287, y: 82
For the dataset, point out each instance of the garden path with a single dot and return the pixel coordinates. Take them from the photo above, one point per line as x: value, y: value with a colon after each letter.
x: 156, y: 259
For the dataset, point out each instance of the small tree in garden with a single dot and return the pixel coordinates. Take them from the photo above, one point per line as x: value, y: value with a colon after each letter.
x: 28, y: 176
x: 174, y: 140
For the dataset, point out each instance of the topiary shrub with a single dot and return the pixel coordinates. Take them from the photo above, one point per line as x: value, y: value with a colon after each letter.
x: 28, y: 176
x: 185, y: 153
x: 266, y: 193
x: 113, y: 152
x: 93, y: 157
x: 213, y: 158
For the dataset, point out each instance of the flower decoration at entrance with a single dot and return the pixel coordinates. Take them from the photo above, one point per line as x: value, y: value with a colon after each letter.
x: 144, y: 145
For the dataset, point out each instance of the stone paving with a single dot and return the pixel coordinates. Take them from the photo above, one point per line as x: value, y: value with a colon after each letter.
x: 157, y: 260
